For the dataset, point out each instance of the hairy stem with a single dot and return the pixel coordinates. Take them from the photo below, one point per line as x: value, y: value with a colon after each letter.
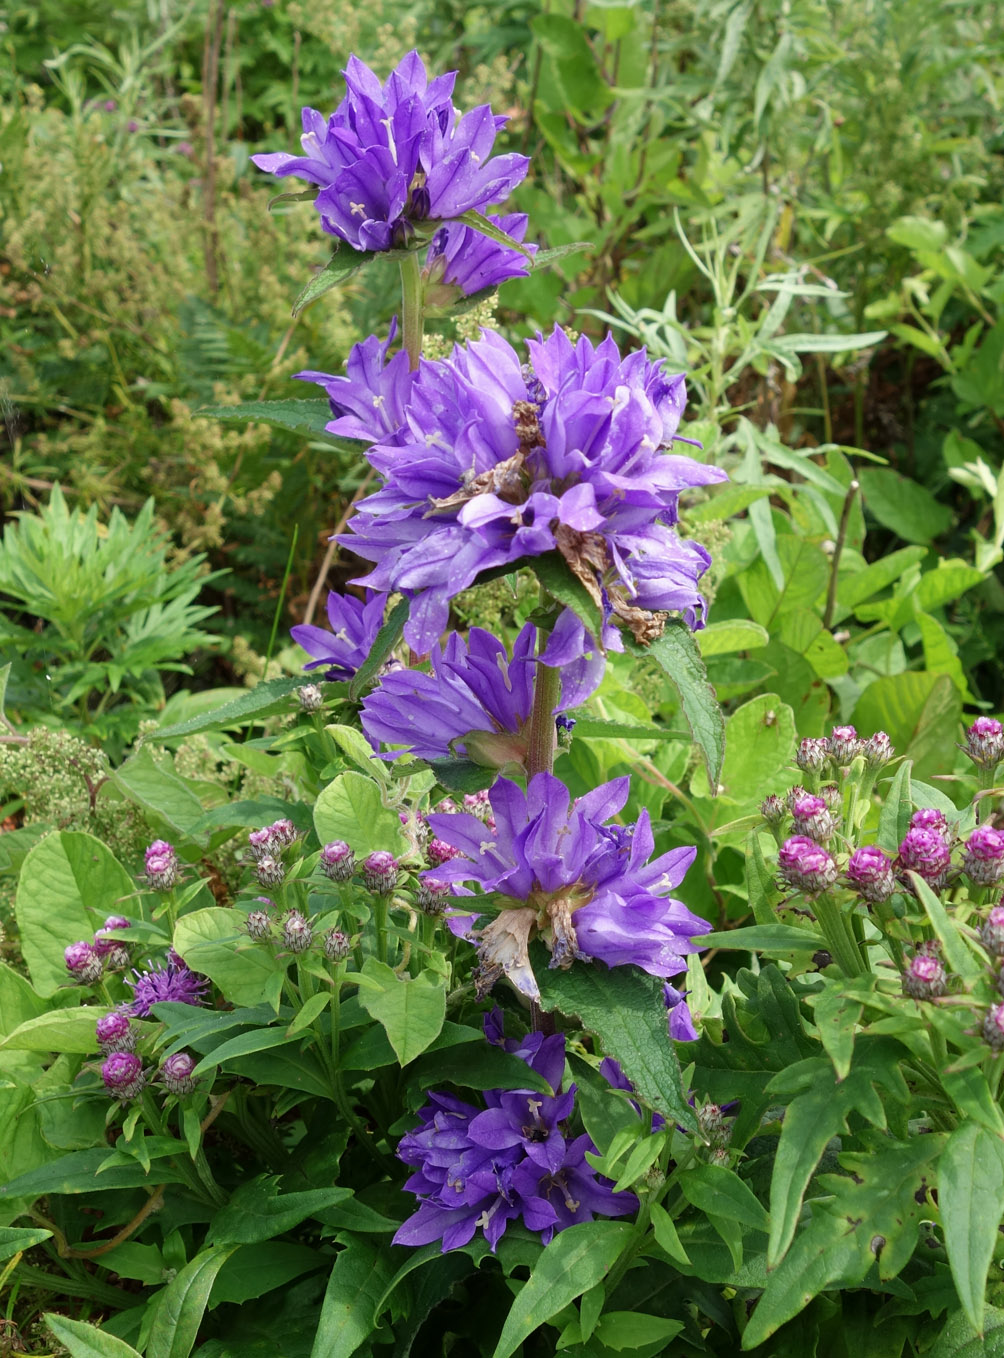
x: 412, y: 319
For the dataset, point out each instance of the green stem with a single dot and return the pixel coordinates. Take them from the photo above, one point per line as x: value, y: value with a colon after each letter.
x: 839, y: 938
x: 412, y: 317
x: 380, y: 915
x: 541, y: 737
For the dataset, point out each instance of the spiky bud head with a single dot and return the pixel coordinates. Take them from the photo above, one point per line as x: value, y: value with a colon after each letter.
x: 924, y: 978
x: 805, y: 865
x: 176, y: 1073
x: 336, y: 945
x: 258, y: 925
x: 311, y: 698
x: 869, y: 872
x: 297, y: 935
x: 115, y: 1033
x: 985, y: 742
x: 380, y: 871
x: 83, y: 962
x: 122, y: 1073
x: 338, y: 861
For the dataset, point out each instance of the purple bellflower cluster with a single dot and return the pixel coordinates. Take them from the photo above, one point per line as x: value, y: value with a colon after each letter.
x: 343, y: 649
x: 587, y: 888
x: 395, y: 154
x: 497, y: 461
x: 480, y: 1169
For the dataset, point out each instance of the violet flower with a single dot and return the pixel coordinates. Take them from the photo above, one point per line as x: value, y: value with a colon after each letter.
x: 370, y: 401
x: 482, y: 1168
x: 983, y: 856
x: 463, y: 258
x: 928, y: 854
x: 805, y: 865
x: 354, y: 627
x: 869, y: 872
x: 496, y: 462
x: 394, y: 154
x: 476, y: 701
x: 163, y: 984
x: 586, y: 888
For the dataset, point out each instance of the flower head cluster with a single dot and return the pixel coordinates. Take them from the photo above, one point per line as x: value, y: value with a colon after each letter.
x: 123, y: 1075
x: 343, y: 649
x: 174, y: 982
x: 176, y: 1073
x: 585, y: 887
x: 924, y: 978
x: 992, y: 931
x: 496, y: 461
x: 475, y: 701
x: 115, y: 1033
x: 983, y: 856
x: 395, y: 154
x: 482, y: 1168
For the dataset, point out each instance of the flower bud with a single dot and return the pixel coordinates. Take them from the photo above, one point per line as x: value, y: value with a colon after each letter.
x: 711, y: 1121
x: 433, y: 896
x: 773, y: 810
x: 793, y: 794
x: 993, y: 1027
x: 812, y: 754
x: 258, y: 925
x: 563, y: 726
x: 117, y: 958
x: 813, y: 818
x: 269, y: 871
x: 115, y: 1033
x: 845, y: 744
x: 985, y: 742
x: 83, y: 962
x: 311, y: 698
x: 877, y: 750
x: 380, y: 872
x: 925, y: 977
x: 870, y: 874
x: 161, y: 870
x: 805, y: 865
x: 928, y: 854
x: 176, y: 1073
x: 283, y: 833
x: 338, y: 861
x: 297, y: 935
x: 930, y: 818
x: 477, y: 803
x: 992, y: 931
x: 438, y: 852
x: 336, y: 945
x: 260, y: 842
x: 833, y: 798
x: 983, y: 856
x: 122, y: 1073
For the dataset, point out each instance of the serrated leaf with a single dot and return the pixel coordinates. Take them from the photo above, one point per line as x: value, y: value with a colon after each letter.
x: 677, y: 655
x: 837, y: 1016
x: 625, y: 1009
x: 295, y: 416
x: 270, y: 696
x: 566, y: 588
x: 340, y: 266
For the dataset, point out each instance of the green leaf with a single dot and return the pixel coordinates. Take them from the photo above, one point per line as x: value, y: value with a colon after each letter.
x: 971, y: 1202
x: 597, y: 728
x: 69, y: 883
x: 351, y: 808
x: 903, y: 505
x: 760, y: 745
x: 723, y: 502
x: 857, y: 586
x: 811, y: 343
x: 957, y: 1339
x: 837, y: 1017
x: 622, y: 1330
x: 666, y: 1236
x: 158, y: 790
x: 949, y: 582
x: 383, y: 645
x: 355, y: 1285
x: 738, y: 634
x: 411, y: 1011
x: 212, y: 942
x: 719, y: 1192
x: 958, y: 956
x: 477, y: 221
x: 625, y: 1009
x: 571, y: 63
x: 918, y: 233
x: 920, y: 712
x: 14, y: 1240
x: 307, y: 418
x: 339, y: 267
x: 544, y: 258
x: 575, y: 1260
x: 461, y: 775
x: 804, y: 573
x: 257, y: 1211
x: 897, y: 808
x: 761, y: 887
x: 179, y: 1315
x: 677, y: 655
x: 60, y: 1030
x: 87, y: 1341
x: 768, y: 938
x: 477, y: 1066
x: 254, y: 1270
x: 78, y: 1173
x: 557, y: 577
x: 244, y: 1044
x: 264, y: 700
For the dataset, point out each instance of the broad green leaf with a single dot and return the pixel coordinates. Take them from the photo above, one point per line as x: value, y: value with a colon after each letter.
x: 904, y: 506
x: 738, y: 634
x: 666, y: 1236
x: 245, y: 1044
x: 723, y: 502
x: 355, y: 1285
x: 958, y: 1340
x: 557, y: 577
x: 86, y: 1341
x: 60, y: 1030
x: 351, y: 808
x: 918, y: 233
x: 920, y: 713
x: 475, y: 1065
x: 18, y: 1001
x: 257, y: 1211
x: 78, y: 1173
x: 158, y: 791
x: 677, y: 654
x: 767, y: 938
x: 213, y: 942
x: 265, y: 699
x: 575, y: 1260
x: 354, y: 745
x: 760, y: 746
x: 761, y: 887
x: 383, y: 645
x: 804, y: 572
x: 720, y: 1192
x: 411, y: 1011
x: 856, y: 586
x: 625, y: 1009
x: 253, y: 1270
x: 339, y: 267
x: 307, y: 418
x: 69, y: 883
x: 897, y: 808
x: 625, y: 1330
x: 14, y: 1239
x: 949, y: 582
x: 837, y: 1017
x: 572, y: 65
x: 971, y: 1202
x: 176, y: 1325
